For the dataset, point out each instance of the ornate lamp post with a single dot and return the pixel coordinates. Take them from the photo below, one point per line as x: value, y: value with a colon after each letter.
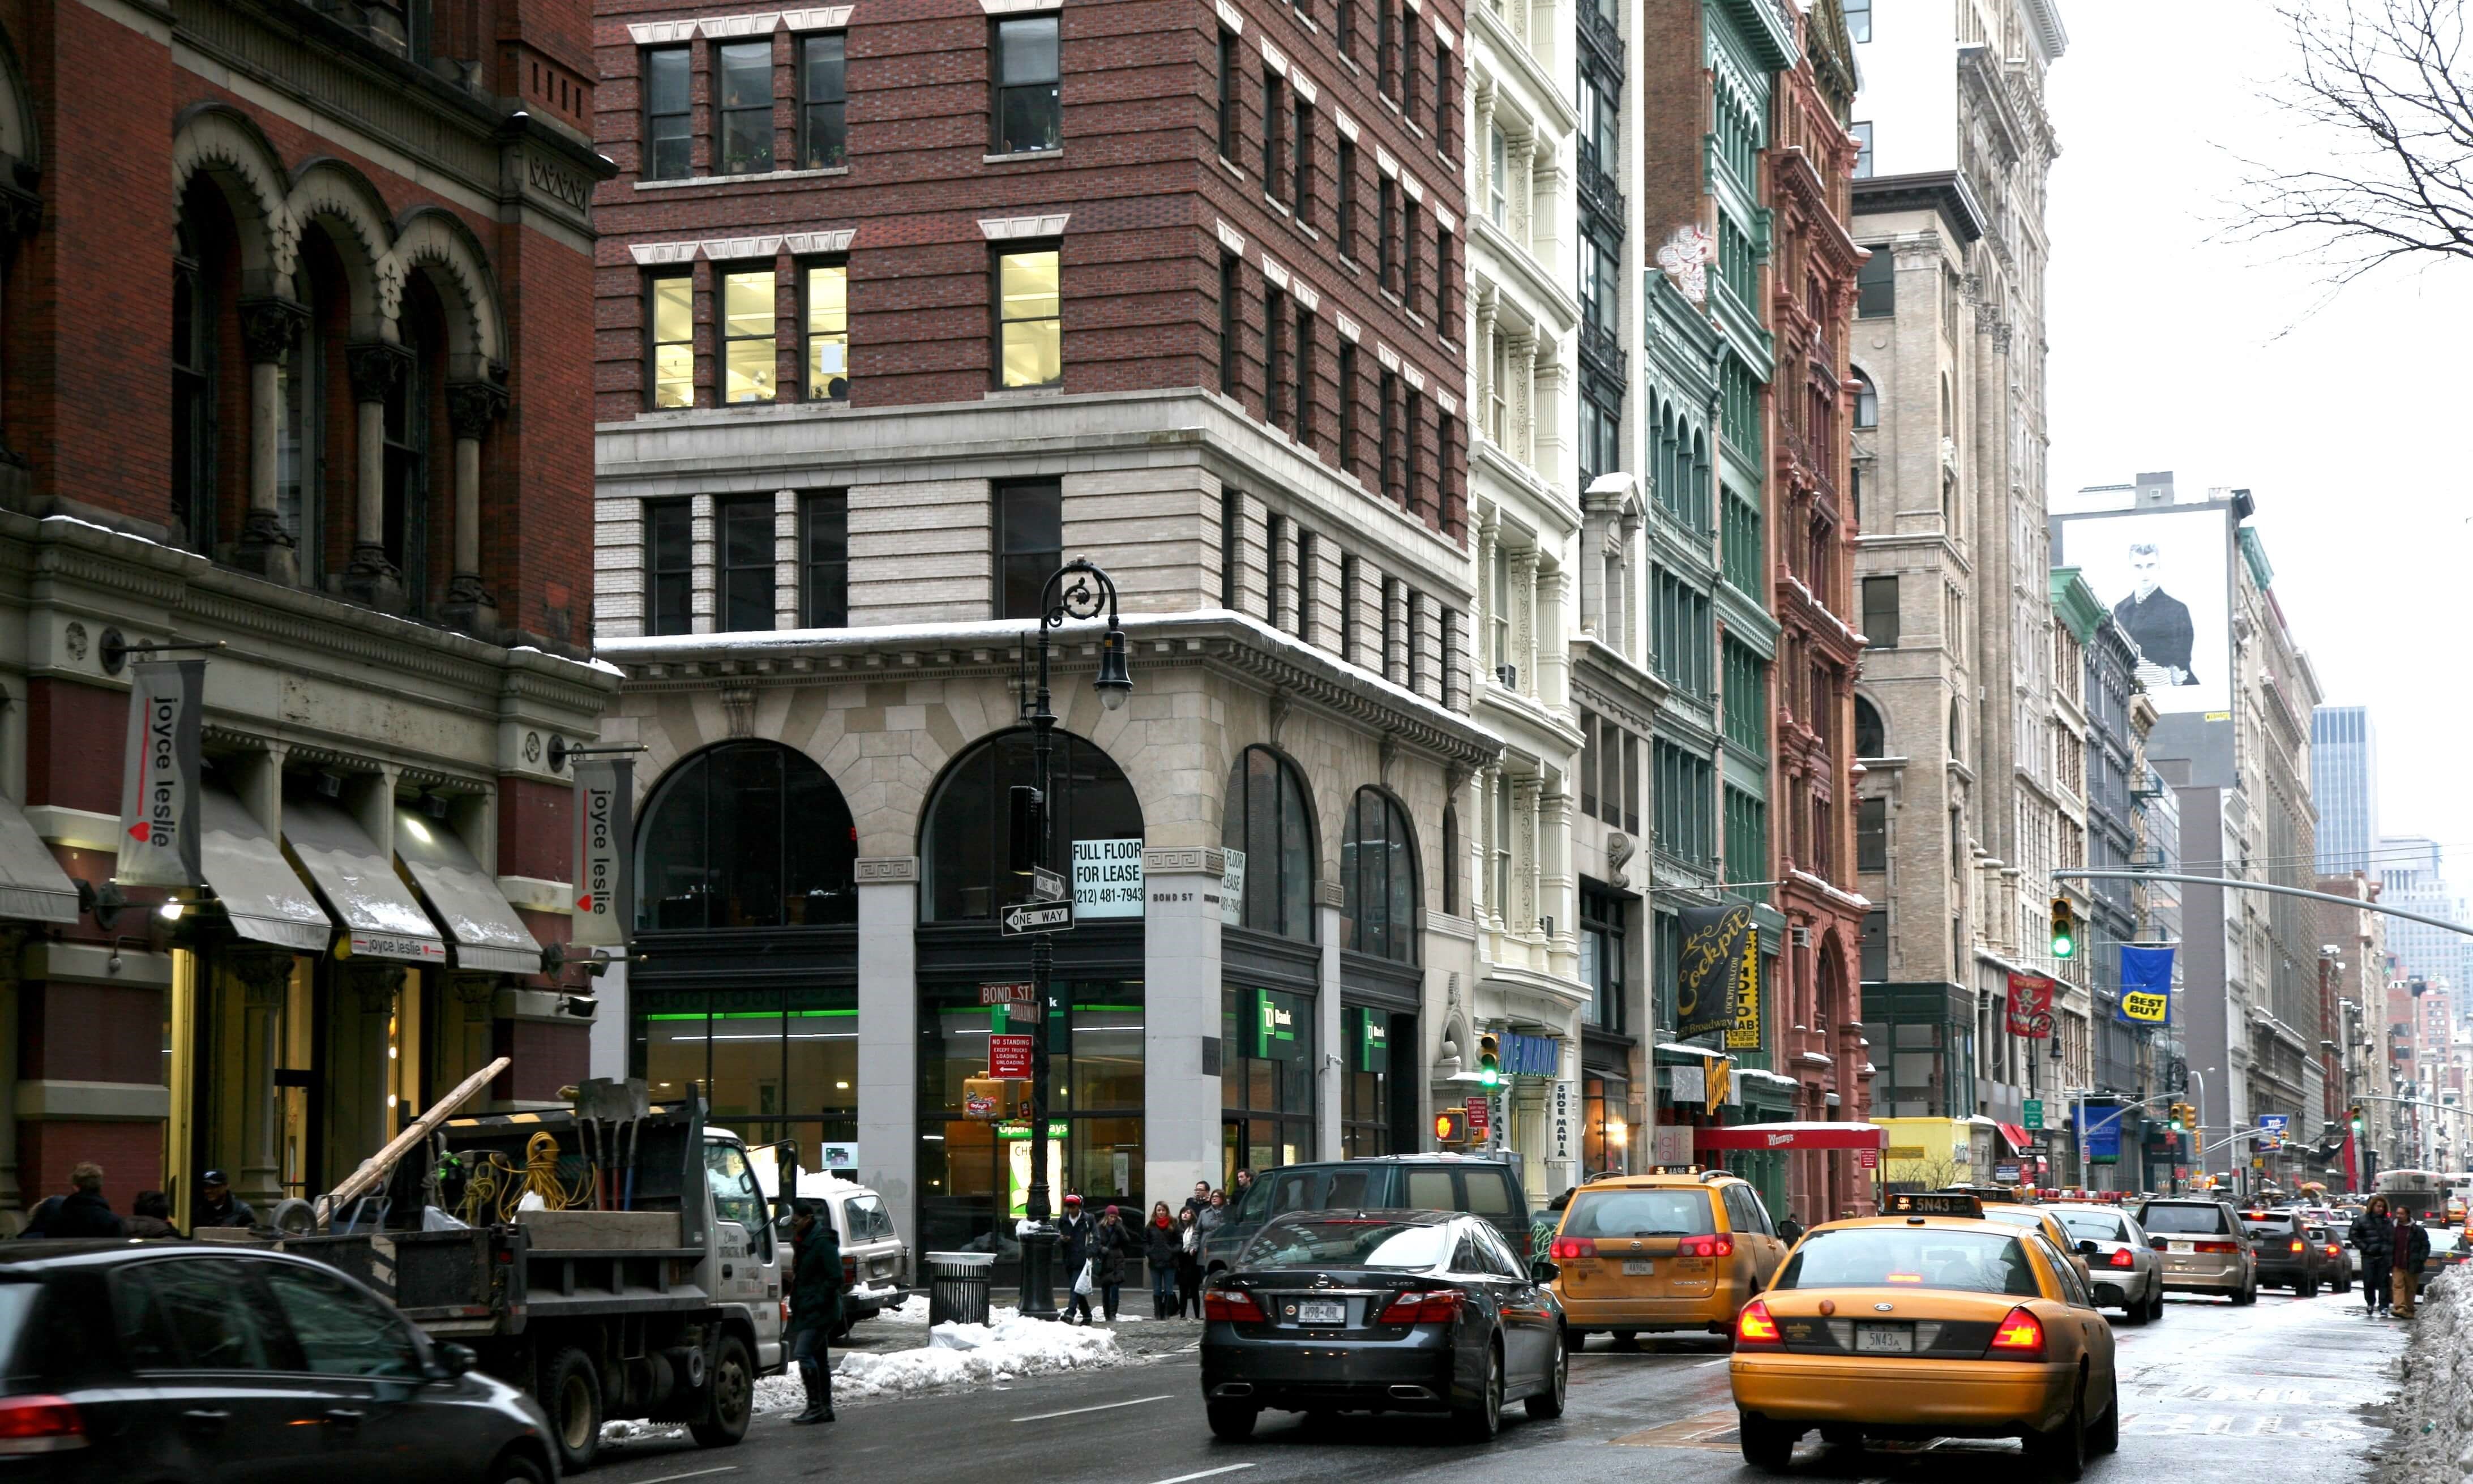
x: 1077, y: 591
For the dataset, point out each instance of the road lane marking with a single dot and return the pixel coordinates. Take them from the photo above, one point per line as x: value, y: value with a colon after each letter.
x: 1206, y: 1473
x: 673, y: 1478
x: 1105, y: 1407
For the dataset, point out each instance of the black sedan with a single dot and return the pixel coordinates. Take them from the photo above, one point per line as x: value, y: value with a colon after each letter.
x: 1380, y: 1311
x: 202, y: 1365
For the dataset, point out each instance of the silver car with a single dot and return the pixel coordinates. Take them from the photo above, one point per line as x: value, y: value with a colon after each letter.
x: 2124, y: 1267
x: 2205, y: 1246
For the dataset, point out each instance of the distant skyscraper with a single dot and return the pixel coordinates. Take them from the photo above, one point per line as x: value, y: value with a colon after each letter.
x: 2344, y: 784
x: 2413, y: 876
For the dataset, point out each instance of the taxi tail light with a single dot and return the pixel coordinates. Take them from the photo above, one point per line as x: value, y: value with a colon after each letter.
x: 1423, y: 1306
x: 2219, y: 1249
x: 2018, y: 1338
x: 40, y: 1424
x: 1567, y: 1248
x: 1707, y: 1247
x: 1233, y: 1306
x: 1755, y: 1330
x: 2120, y: 1258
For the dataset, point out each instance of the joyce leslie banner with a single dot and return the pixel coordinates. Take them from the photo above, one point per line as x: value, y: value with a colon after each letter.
x: 161, y: 810
x: 605, y: 892
x: 1714, y: 942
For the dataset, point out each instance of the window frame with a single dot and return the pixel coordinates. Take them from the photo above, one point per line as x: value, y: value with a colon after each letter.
x: 997, y: 255
x: 728, y: 574
x: 724, y: 113
x: 1231, y: 90
x: 656, y: 513
x: 809, y: 107
x: 651, y: 140
x: 1876, y: 284
x: 1356, y: 874
x: 1871, y: 835
x: 1347, y: 243
x: 808, y: 334
x: 1275, y: 134
x: 770, y: 338
x: 818, y: 573
x: 1231, y: 284
x: 1004, y: 492
x: 1351, y: 439
x: 1879, y: 636
x: 999, y: 85
x: 654, y: 345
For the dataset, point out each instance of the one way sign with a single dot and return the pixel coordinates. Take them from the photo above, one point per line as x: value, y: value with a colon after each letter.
x: 1045, y: 917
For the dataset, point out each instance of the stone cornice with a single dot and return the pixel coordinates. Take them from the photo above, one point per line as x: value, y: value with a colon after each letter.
x: 1945, y: 191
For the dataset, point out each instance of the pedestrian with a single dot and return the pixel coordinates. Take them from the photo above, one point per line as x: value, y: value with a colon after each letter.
x: 815, y: 1305
x: 1160, y: 1245
x: 1201, y: 1196
x: 152, y: 1216
x: 1074, y: 1232
x: 1244, y: 1183
x: 1188, y: 1263
x: 218, y: 1206
x: 2374, y: 1236
x: 2412, y: 1251
x: 81, y: 1212
x: 1111, y: 1244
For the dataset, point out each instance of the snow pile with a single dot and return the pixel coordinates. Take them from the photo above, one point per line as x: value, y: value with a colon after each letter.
x: 2433, y: 1415
x: 975, y: 1355
x: 912, y: 1310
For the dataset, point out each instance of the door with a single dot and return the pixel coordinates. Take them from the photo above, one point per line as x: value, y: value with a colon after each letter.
x: 1529, y: 1333
x: 218, y: 1385
x: 744, y: 1251
x: 384, y: 1420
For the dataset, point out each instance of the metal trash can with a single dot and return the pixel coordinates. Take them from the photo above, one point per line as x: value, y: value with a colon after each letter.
x: 957, y: 1287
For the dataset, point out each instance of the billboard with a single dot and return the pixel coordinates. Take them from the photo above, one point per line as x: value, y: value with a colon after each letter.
x: 2165, y: 574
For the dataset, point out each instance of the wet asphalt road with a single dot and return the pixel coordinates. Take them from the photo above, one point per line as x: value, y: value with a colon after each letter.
x: 2288, y: 1390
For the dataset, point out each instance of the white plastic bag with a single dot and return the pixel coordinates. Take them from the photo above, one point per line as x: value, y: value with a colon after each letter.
x: 1082, y: 1279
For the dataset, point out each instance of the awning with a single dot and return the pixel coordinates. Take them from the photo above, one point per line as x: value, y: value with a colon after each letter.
x: 464, y: 900
x: 1792, y: 1135
x: 258, y: 887
x: 2017, y: 1138
x: 359, y: 884
x: 33, y: 886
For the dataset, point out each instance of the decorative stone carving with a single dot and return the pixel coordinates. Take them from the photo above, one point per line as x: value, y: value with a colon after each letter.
x: 269, y: 329
x: 263, y: 977
x: 473, y: 406
x: 738, y: 711
x: 374, y: 984
x: 377, y: 369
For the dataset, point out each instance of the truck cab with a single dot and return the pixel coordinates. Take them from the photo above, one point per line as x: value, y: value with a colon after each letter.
x: 750, y: 1264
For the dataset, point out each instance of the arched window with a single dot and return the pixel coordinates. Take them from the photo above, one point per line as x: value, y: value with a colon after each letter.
x: 967, y: 844
x: 1871, y: 737
x: 1269, y: 820
x: 1868, y: 400
x: 747, y: 834
x: 1378, y: 875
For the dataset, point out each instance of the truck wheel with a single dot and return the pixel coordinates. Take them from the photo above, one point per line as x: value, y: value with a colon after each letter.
x: 730, y: 1396
x: 570, y: 1393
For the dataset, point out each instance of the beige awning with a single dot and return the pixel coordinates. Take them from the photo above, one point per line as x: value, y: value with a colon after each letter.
x: 480, y: 924
x: 33, y: 886
x: 258, y: 887
x: 359, y: 885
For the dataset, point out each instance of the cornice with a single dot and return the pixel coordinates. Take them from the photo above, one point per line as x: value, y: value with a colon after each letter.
x: 1944, y: 191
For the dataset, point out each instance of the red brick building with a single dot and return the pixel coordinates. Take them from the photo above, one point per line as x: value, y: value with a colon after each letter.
x: 292, y: 363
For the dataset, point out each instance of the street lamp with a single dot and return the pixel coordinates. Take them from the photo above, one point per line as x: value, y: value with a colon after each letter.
x: 1076, y: 590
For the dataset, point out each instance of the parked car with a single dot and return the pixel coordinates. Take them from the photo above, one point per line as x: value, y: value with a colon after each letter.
x: 2287, y: 1257
x: 2447, y: 1250
x: 876, y: 1262
x: 1380, y: 1311
x: 1661, y: 1253
x: 2343, y: 1265
x: 211, y: 1364
x: 1484, y: 1186
x: 2206, y: 1249
x: 2125, y: 1271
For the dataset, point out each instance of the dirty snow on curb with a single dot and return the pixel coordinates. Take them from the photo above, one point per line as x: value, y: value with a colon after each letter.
x: 2433, y: 1407
x: 973, y: 1354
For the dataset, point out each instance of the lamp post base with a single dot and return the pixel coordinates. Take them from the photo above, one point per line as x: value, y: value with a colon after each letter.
x: 1039, y: 1272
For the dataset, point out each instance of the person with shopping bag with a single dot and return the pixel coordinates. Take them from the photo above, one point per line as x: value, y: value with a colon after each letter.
x: 1074, y: 1233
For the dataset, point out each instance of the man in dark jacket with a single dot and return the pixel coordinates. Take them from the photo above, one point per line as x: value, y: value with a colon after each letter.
x: 2412, y: 1251
x: 1112, y: 1243
x: 815, y: 1305
x: 149, y: 1217
x: 1075, y: 1233
x: 2374, y: 1233
x: 81, y: 1212
x: 218, y: 1206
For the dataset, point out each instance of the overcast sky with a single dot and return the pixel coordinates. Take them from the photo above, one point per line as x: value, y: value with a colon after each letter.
x: 2172, y: 349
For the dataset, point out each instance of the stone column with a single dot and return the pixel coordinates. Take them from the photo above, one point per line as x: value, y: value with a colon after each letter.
x: 471, y: 406
x: 1523, y: 908
x: 1180, y: 1014
x: 268, y: 329
x: 888, y: 1032
x: 263, y: 980
x: 377, y: 370
x: 1330, y: 1058
x: 1523, y: 617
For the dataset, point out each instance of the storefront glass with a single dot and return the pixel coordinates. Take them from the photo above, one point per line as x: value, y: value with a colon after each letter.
x: 1606, y: 1137
x: 747, y: 834
x: 1265, y: 1080
x: 774, y: 1063
x: 1369, y: 1117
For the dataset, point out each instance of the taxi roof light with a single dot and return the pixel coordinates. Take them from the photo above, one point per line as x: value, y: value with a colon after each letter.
x: 2019, y: 1337
x: 1754, y: 1327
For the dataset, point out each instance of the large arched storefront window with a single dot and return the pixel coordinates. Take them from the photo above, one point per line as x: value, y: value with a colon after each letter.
x: 750, y: 835
x: 1377, y: 876
x: 969, y: 1167
x: 1267, y: 818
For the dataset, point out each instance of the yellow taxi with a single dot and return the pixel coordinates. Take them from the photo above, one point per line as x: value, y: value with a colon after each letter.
x: 1661, y: 1253
x: 1928, y: 1322
x: 2037, y: 1218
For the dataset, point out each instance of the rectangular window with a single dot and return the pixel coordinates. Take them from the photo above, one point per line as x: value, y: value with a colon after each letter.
x: 1862, y: 135
x: 1301, y: 192
x: 1447, y: 324
x: 1497, y: 611
x: 1443, y: 95
x: 1275, y: 132
x: 822, y: 142
x: 1030, y: 543
x: 1447, y: 437
x: 1275, y: 594
x: 746, y: 570
x: 827, y: 331
x: 1876, y: 285
x: 1232, y: 548
x: 669, y: 115
x: 1859, y: 29
x: 744, y: 82
x: 1390, y: 646
x: 1872, y: 835
x: 1304, y: 357
x: 669, y: 305
x: 1497, y: 175
x: 1411, y: 276
x: 1412, y: 627
x: 1308, y: 586
x: 1874, y: 946
x: 1408, y: 93
x: 1388, y: 475
x: 1346, y: 197
x: 1386, y: 43
x: 1412, y: 428
x: 1350, y: 454
x: 824, y: 559
x: 1228, y: 89
x: 1348, y: 28
x: 670, y: 550
x: 748, y: 335
x: 1350, y: 592
x: 1028, y: 109
x: 1630, y: 785
x: 1386, y: 207
x: 1881, y: 613
x: 1590, y: 762
x: 1746, y: 680
x: 1030, y: 346
x: 1230, y: 279
x: 1275, y: 358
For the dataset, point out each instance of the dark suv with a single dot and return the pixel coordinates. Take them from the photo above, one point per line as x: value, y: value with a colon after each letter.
x: 1482, y: 1186
x: 2287, y: 1258
x: 215, y: 1365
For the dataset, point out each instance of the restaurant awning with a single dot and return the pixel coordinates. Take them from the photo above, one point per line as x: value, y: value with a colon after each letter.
x: 2017, y: 1138
x: 33, y: 886
x: 359, y: 885
x: 1792, y: 1135
x: 258, y: 887
x: 466, y: 901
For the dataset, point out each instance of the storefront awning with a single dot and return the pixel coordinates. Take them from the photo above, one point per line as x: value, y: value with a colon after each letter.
x: 258, y: 887
x: 2017, y: 1138
x: 359, y: 885
x: 32, y: 884
x: 1792, y: 1135
x: 466, y: 901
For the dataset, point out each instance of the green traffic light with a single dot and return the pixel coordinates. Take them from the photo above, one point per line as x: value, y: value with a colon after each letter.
x: 1488, y: 1075
x: 2063, y: 945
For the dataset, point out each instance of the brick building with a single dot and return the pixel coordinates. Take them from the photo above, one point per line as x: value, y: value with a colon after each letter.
x: 901, y: 304
x: 355, y: 251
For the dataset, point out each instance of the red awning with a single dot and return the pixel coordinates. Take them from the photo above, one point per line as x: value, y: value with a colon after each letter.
x: 2017, y: 1137
x: 1792, y: 1135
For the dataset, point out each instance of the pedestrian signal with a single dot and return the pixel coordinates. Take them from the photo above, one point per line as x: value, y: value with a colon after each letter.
x: 1489, y: 1059
x: 1451, y: 1126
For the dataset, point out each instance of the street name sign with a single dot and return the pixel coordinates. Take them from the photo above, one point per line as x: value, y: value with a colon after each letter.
x: 1022, y: 993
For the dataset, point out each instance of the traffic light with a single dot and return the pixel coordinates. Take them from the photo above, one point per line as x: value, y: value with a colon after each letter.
x: 2065, y: 929
x: 2356, y: 1117
x: 2174, y: 1115
x: 1489, y: 1059
x: 1451, y: 1126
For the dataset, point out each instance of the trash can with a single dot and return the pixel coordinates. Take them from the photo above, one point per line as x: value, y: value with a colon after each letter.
x: 957, y: 1287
